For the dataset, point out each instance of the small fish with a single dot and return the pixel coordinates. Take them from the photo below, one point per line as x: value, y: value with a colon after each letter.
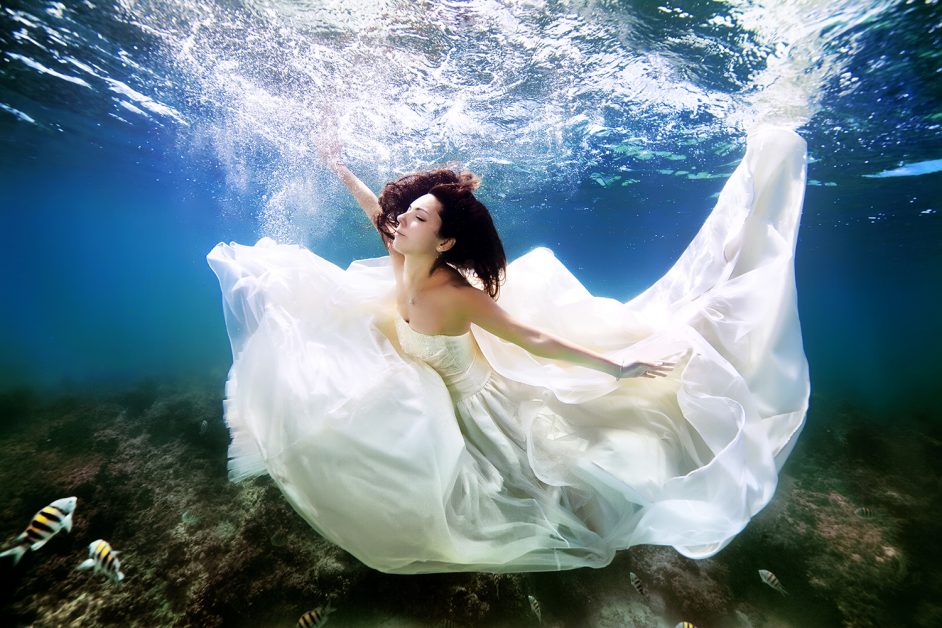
x: 863, y: 512
x: 43, y: 526
x: 684, y: 624
x: 315, y: 618
x: 769, y: 578
x: 637, y: 584
x: 103, y: 559
x: 204, y: 425
x: 535, y: 606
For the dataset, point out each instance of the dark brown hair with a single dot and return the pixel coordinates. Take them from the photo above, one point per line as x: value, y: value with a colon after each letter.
x: 477, y: 245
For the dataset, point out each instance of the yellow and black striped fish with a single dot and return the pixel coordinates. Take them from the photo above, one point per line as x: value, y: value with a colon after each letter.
x: 103, y: 559
x: 315, y: 618
x: 684, y: 624
x: 43, y: 526
x: 535, y: 607
x: 637, y: 584
x: 769, y: 578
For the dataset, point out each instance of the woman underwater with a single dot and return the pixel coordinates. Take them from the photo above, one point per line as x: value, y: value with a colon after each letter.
x: 422, y: 427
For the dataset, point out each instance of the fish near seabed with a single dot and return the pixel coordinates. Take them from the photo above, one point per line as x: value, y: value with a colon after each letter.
x: 535, y: 607
x: 637, y: 584
x: 769, y: 578
x: 315, y: 618
x: 684, y: 624
x: 43, y: 526
x: 103, y: 559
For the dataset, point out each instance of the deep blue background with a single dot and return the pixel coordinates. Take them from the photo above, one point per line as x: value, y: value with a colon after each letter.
x: 105, y: 225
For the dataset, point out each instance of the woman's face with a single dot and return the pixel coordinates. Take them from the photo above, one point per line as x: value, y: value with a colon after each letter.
x: 418, y: 227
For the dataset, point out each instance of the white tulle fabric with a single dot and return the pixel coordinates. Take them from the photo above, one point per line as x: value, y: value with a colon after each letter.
x: 421, y: 453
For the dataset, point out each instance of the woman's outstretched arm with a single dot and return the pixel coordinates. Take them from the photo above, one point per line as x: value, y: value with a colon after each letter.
x: 481, y: 310
x: 328, y: 149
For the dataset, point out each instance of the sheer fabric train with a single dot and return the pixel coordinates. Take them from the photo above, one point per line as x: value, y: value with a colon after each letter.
x: 420, y: 453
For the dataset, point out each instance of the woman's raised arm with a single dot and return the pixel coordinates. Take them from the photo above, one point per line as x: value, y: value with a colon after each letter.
x: 328, y: 149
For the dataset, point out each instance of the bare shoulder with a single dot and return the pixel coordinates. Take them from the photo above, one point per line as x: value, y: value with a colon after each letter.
x: 461, y: 301
x: 470, y: 299
x: 477, y: 307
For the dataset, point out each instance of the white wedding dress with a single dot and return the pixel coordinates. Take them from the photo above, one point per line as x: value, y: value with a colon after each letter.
x: 421, y: 453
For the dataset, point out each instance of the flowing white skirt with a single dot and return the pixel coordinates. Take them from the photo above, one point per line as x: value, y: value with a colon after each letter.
x: 368, y: 446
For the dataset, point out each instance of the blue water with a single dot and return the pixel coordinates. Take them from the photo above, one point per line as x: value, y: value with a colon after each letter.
x: 135, y: 136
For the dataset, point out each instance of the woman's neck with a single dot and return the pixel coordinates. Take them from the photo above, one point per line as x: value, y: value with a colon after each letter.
x: 417, y: 271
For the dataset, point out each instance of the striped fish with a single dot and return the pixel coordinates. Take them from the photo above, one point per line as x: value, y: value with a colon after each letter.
x: 103, y: 559
x: 769, y: 578
x: 637, y: 584
x: 535, y: 607
x: 315, y: 618
x: 863, y: 512
x: 43, y: 526
x: 684, y: 624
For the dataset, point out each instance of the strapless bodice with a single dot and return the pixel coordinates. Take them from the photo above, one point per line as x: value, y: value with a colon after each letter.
x: 463, y: 368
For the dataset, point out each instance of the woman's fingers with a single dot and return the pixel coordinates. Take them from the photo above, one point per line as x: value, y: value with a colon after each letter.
x: 327, y: 145
x: 655, y: 369
x: 328, y: 149
x: 647, y: 369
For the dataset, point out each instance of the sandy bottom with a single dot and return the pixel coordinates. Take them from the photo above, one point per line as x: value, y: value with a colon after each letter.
x: 852, y: 534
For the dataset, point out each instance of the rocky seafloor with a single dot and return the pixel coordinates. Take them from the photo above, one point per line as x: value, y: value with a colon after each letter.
x: 852, y: 534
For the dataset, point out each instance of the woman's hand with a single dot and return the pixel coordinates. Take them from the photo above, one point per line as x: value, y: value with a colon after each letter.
x: 328, y: 149
x: 644, y: 369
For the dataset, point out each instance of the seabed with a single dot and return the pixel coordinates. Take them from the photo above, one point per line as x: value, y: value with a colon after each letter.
x: 852, y: 534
